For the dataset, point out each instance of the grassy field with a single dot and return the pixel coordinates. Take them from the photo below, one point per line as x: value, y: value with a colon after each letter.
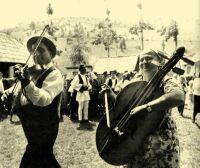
x: 76, y: 148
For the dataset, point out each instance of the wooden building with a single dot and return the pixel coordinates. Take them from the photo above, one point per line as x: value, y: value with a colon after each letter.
x: 11, y: 52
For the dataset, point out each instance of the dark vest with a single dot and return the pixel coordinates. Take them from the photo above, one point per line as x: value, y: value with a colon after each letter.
x: 81, y: 80
x: 110, y: 82
x: 40, y: 122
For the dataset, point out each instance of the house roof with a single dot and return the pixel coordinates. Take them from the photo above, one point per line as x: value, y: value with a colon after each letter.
x: 120, y: 64
x: 12, y: 51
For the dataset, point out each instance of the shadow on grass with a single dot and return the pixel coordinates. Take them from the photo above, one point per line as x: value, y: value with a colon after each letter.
x: 186, y: 117
x: 15, y: 122
x: 197, y: 125
x: 86, y: 127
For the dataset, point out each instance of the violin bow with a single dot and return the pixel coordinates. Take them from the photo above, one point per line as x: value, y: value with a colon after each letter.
x: 39, y: 40
x: 33, y: 53
x: 106, y: 106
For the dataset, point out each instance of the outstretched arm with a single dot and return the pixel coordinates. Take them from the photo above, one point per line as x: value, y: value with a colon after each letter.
x: 173, y: 96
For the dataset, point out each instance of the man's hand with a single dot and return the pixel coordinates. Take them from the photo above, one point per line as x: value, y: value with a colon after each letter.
x: 83, y: 88
x: 18, y: 71
x: 22, y: 74
x: 105, y: 88
x: 7, y: 98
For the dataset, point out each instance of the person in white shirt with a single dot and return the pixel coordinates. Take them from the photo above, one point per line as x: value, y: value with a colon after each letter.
x: 1, y: 83
x: 119, y: 84
x: 112, y: 80
x: 82, y: 85
x: 189, y: 95
x: 196, y: 93
x: 73, y: 104
x: 39, y: 96
x: 124, y: 82
x: 2, y: 115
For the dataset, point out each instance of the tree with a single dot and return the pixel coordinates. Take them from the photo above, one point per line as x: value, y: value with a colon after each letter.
x: 122, y: 43
x: 49, y: 10
x: 52, y: 29
x: 106, y: 35
x: 169, y: 32
x: 79, y: 48
x: 162, y: 32
x: 138, y: 31
x: 173, y: 32
x: 33, y: 26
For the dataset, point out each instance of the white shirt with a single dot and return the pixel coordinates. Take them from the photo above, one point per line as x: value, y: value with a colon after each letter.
x: 196, y: 86
x: 1, y: 86
x: 119, y: 86
x: 114, y: 82
x: 81, y: 96
x: 122, y: 84
x: 125, y: 83
x: 51, y: 87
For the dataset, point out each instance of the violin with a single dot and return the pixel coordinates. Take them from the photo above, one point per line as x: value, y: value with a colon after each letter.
x: 118, y: 142
x: 12, y: 100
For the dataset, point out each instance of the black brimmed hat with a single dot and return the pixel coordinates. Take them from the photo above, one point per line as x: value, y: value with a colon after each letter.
x: 50, y: 45
x: 105, y: 72
x: 113, y: 72
x: 81, y: 67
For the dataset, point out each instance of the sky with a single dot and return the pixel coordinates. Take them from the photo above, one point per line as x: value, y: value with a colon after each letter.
x: 186, y: 12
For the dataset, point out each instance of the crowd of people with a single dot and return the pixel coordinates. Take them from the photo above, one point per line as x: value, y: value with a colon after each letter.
x: 71, y: 105
x: 117, y: 81
x: 190, y: 85
x: 82, y: 92
x: 45, y: 95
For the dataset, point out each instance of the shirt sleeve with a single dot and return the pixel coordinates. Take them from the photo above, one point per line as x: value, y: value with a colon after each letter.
x: 171, y: 85
x: 75, y: 83
x: 89, y: 85
x: 106, y: 82
x: 1, y: 86
x: 51, y: 87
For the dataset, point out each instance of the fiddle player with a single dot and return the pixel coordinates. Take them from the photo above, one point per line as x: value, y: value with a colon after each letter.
x: 160, y: 149
x: 38, y: 105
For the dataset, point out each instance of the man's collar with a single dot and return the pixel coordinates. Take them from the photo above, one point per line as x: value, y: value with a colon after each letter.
x: 47, y: 66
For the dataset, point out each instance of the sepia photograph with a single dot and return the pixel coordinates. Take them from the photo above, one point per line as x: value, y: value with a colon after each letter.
x: 99, y: 84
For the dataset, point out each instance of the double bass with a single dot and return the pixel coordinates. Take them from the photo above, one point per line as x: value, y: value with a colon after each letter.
x: 118, y: 142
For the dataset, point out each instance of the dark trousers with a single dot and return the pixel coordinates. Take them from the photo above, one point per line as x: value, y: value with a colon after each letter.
x: 196, y: 106
x: 35, y: 157
x: 181, y: 109
x: 73, y: 107
x: 39, y: 151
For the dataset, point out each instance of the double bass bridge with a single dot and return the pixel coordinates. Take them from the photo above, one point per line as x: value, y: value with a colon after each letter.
x: 116, y: 129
